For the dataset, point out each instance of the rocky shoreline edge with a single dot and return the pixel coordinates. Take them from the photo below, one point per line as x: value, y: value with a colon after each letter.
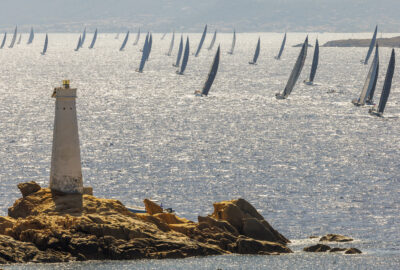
x: 47, y: 227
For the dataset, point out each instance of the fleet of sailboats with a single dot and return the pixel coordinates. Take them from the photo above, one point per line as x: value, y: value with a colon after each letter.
x: 298, y: 66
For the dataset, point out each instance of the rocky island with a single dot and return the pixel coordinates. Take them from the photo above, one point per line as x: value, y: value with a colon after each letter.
x: 393, y: 42
x: 45, y: 226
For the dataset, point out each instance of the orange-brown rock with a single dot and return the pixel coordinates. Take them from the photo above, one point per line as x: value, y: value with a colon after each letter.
x: 151, y: 207
x: 52, y: 227
x: 246, y: 220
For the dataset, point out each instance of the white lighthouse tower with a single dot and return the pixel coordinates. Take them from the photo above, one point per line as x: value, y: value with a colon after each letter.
x: 66, y: 170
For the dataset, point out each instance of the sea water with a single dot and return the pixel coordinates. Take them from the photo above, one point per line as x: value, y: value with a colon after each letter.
x: 311, y: 164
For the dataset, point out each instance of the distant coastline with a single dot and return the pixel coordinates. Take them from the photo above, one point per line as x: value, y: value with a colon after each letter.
x: 382, y: 42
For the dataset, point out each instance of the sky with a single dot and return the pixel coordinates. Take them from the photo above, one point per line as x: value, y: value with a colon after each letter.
x: 192, y: 15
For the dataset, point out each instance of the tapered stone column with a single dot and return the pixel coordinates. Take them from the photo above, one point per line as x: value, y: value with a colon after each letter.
x: 66, y: 170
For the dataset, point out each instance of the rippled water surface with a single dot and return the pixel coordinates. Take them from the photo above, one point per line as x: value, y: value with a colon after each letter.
x: 312, y: 164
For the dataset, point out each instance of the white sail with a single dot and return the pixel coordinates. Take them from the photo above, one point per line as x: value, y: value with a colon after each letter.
x: 298, y: 66
x: 137, y: 38
x: 233, y: 42
x: 14, y: 38
x: 213, y: 40
x: 370, y: 81
x: 46, y: 41
x: 93, y: 40
x: 125, y: 41
x: 31, y: 36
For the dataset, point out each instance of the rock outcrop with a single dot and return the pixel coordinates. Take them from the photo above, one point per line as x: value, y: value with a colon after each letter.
x: 335, y: 238
x: 44, y: 226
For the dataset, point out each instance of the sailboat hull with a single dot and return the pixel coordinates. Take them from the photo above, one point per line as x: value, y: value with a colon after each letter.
x: 252, y: 63
x: 279, y: 96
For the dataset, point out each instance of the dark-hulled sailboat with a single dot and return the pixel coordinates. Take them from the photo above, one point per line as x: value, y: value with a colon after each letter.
x: 298, y: 66
x: 368, y: 89
x: 378, y: 111
x: 278, y: 57
x: 314, y: 65
x: 93, y: 40
x: 211, y: 75
x: 371, y: 46
x: 185, y: 58
x: 124, y: 42
x: 256, y: 53
x: 203, y: 36
x: 46, y: 42
x: 180, y: 50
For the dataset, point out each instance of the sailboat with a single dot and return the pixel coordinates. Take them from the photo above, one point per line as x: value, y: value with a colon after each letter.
x: 278, y: 57
x: 46, y: 41
x: 83, y: 38
x: 150, y: 45
x: 178, y: 57
x: 378, y: 111
x: 211, y: 76
x: 125, y: 41
x: 256, y: 53
x: 368, y: 89
x: 19, y: 40
x: 203, y: 36
x: 371, y: 46
x: 213, y: 40
x: 171, y: 46
x: 137, y: 38
x: 79, y: 43
x: 13, y: 38
x: 144, y: 54
x: 93, y: 40
x: 117, y: 36
x: 314, y: 64
x: 163, y: 36
x: 185, y: 58
x: 233, y: 42
x: 4, y: 40
x: 298, y: 66
x: 31, y: 36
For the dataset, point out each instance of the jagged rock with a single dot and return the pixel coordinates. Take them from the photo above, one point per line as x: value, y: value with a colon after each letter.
x: 151, y: 207
x: 47, y: 226
x: 246, y: 220
x: 335, y: 238
x: 317, y: 248
x: 352, y: 251
x: 28, y: 188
